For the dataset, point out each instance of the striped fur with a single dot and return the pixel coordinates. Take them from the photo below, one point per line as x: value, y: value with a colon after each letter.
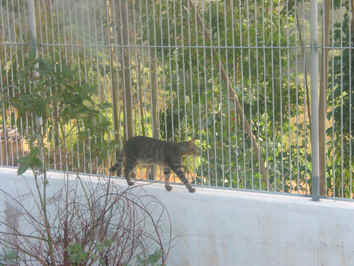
x: 147, y: 151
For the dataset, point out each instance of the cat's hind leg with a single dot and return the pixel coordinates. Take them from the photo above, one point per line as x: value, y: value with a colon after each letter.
x: 179, y: 172
x: 167, y: 173
x: 130, y: 166
x: 117, y: 167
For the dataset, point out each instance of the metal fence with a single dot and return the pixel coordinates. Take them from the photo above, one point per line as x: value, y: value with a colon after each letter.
x: 244, y: 78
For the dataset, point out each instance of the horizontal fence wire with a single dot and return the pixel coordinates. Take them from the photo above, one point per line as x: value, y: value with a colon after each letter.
x: 232, y: 74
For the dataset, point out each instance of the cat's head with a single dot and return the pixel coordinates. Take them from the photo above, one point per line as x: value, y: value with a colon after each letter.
x: 189, y: 148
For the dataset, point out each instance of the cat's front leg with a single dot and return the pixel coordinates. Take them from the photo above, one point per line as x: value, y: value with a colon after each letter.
x: 167, y: 173
x: 179, y: 172
x: 128, y: 170
x: 129, y: 181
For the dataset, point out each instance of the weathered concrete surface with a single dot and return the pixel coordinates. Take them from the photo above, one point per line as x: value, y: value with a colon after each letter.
x: 218, y: 227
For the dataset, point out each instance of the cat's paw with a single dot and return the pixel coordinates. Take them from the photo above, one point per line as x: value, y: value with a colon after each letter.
x: 191, y: 190
x: 130, y: 183
x: 168, y: 187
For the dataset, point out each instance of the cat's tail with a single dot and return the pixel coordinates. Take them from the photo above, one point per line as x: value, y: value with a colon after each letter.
x: 114, y: 167
x: 117, y: 167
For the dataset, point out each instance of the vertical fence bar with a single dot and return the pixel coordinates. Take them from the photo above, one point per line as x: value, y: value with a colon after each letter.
x: 257, y: 85
x: 332, y: 98
x: 351, y: 25
x: 19, y: 140
x: 204, y: 11
x: 219, y: 104
x: 170, y: 55
x: 265, y: 91
x: 32, y: 26
x: 190, y: 66
x: 184, y: 123
x: 121, y: 41
x: 13, y: 53
x: 314, y: 68
x: 2, y: 87
x: 296, y: 127
x: 228, y: 98
x: 103, y: 91
x: 137, y: 69
x: 213, y: 59
x: 164, y: 50
x: 281, y: 179
x: 177, y: 72
x: 250, y: 92
x: 241, y: 84
x: 341, y: 108
x: 22, y: 64
x: 88, y: 79
x: 273, y: 138
x: 72, y: 59
x: 199, y: 82
x: 234, y: 78
x: 304, y: 127
x: 5, y: 126
x: 289, y: 130
x: 66, y: 60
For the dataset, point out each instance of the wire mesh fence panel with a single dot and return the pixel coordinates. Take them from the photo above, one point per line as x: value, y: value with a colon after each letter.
x: 233, y: 74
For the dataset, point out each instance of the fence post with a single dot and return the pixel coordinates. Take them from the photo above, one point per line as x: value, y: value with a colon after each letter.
x: 314, y: 69
x: 35, y: 74
x: 32, y: 26
x: 33, y: 37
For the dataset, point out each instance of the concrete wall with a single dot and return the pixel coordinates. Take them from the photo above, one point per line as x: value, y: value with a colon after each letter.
x: 218, y: 227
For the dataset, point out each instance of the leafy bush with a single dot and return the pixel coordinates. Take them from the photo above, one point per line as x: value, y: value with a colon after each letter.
x: 56, y: 105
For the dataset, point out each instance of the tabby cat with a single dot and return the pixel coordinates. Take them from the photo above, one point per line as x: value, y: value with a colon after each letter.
x: 147, y: 151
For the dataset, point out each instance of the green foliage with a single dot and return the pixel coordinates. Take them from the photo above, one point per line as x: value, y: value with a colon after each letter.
x: 272, y: 93
x: 8, y: 257
x: 30, y: 161
x: 57, y: 93
x: 12, y: 6
x: 340, y: 101
x: 342, y: 82
x: 54, y: 103
x: 151, y: 260
x: 77, y: 254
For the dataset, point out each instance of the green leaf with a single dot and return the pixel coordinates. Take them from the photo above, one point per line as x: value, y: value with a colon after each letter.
x: 77, y: 254
x: 31, y: 161
x: 151, y: 259
x: 22, y: 168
